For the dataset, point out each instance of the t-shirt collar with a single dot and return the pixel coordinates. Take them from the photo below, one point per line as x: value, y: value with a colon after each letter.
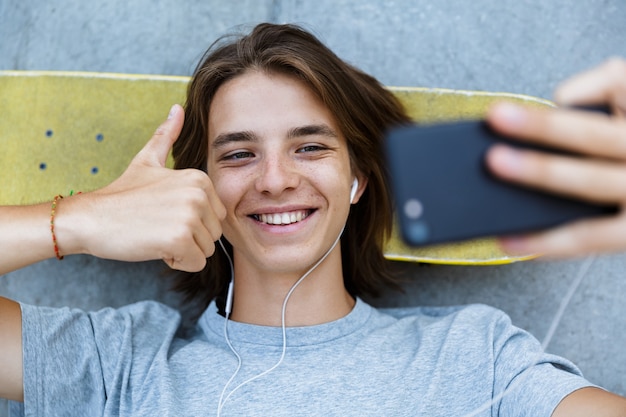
x: 212, y: 324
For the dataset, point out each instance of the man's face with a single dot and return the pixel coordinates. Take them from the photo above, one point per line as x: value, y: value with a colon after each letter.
x: 281, y: 167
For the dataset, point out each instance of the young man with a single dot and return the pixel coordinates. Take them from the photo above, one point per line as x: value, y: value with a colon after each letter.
x: 288, y: 137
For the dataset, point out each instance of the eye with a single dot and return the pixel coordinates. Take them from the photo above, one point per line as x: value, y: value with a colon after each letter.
x: 238, y: 155
x: 311, y: 148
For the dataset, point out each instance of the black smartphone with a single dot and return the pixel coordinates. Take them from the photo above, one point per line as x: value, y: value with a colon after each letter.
x: 444, y: 192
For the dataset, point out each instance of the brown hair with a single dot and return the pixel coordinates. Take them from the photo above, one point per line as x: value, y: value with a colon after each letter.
x: 363, y: 108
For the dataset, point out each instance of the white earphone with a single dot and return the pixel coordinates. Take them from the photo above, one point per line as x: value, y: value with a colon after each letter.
x: 355, y: 187
x: 229, y: 303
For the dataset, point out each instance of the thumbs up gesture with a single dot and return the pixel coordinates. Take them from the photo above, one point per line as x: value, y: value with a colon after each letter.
x: 149, y: 212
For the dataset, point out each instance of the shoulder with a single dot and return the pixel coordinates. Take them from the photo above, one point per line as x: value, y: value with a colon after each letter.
x: 478, y: 343
x: 137, y: 314
x: 477, y: 314
x: 144, y: 311
x: 141, y: 319
x: 473, y: 327
x: 72, y: 353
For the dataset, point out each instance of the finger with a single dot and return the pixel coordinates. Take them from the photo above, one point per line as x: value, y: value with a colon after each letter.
x: 212, y: 224
x: 193, y: 260
x: 208, y: 207
x: 209, y: 230
x: 205, y: 241
x: 605, y: 84
x: 597, y: 181
x: 157, y: 149
x: 604, y: 234
x: 575, y: 131
x: 219, y: 210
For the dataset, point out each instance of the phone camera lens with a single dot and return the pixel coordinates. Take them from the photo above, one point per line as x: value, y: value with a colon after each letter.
x: 418, y: 232
x: 413, y: 209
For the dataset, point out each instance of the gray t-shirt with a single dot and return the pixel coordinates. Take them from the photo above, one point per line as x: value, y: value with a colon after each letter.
x: 404, y: 362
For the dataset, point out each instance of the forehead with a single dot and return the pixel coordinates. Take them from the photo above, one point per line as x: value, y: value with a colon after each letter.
x: 265, y: 104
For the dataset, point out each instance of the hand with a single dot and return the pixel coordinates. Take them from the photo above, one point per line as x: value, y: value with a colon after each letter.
x: 598, y: 177
x: 150, y: 212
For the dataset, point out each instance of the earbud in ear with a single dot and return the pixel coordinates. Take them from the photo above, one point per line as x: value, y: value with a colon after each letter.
x: 355, y: 187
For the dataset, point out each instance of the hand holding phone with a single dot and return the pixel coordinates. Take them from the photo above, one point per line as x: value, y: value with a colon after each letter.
x: 443, y: 191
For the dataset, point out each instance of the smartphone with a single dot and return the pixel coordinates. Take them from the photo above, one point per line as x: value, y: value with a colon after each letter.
x: 444, y: 192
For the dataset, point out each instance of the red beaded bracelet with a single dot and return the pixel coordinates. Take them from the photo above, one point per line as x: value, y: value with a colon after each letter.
x: 54, y: 238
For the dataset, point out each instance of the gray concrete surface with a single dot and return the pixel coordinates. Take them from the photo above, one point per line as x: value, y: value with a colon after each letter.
x: 521, y: 46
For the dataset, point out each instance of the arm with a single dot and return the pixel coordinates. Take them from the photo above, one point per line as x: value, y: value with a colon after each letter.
x: 599, y: 177
x: 11, y: 386
x: 150, y: 212
x: 25, y: 236
x: 590, y: 402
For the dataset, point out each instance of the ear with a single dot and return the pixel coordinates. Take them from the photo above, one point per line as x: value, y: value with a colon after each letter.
x: 355, y: 186
x: 358, y: 187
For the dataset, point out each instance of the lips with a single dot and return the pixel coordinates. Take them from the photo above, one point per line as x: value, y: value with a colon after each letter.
x: 284, y: 218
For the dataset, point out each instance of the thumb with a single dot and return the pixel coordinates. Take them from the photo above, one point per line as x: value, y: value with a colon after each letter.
x: 155, y: 152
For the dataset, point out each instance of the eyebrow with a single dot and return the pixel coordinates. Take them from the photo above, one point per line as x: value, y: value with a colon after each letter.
x: 311, y: 130
x: 224, y: 139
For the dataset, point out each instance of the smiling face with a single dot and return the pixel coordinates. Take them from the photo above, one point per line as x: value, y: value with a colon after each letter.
x: 281, y: 167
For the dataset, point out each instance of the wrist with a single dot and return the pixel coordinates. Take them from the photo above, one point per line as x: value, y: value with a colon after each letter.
x: 69, y: 225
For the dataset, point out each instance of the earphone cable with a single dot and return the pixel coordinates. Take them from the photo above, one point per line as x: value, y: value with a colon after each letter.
x: 223, y: 400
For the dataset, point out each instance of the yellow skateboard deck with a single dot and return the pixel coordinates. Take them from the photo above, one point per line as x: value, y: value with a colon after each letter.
x: 71, y: 131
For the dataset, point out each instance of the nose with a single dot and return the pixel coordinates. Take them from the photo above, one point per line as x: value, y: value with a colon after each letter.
x: 277, y: 175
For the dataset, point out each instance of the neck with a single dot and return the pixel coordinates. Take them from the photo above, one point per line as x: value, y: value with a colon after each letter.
x: 320, y: 298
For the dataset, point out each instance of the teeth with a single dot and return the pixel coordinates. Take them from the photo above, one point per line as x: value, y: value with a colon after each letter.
x: 282, y: 218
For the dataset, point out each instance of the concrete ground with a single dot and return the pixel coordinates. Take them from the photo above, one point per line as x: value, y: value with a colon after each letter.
x: 521, y: 46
